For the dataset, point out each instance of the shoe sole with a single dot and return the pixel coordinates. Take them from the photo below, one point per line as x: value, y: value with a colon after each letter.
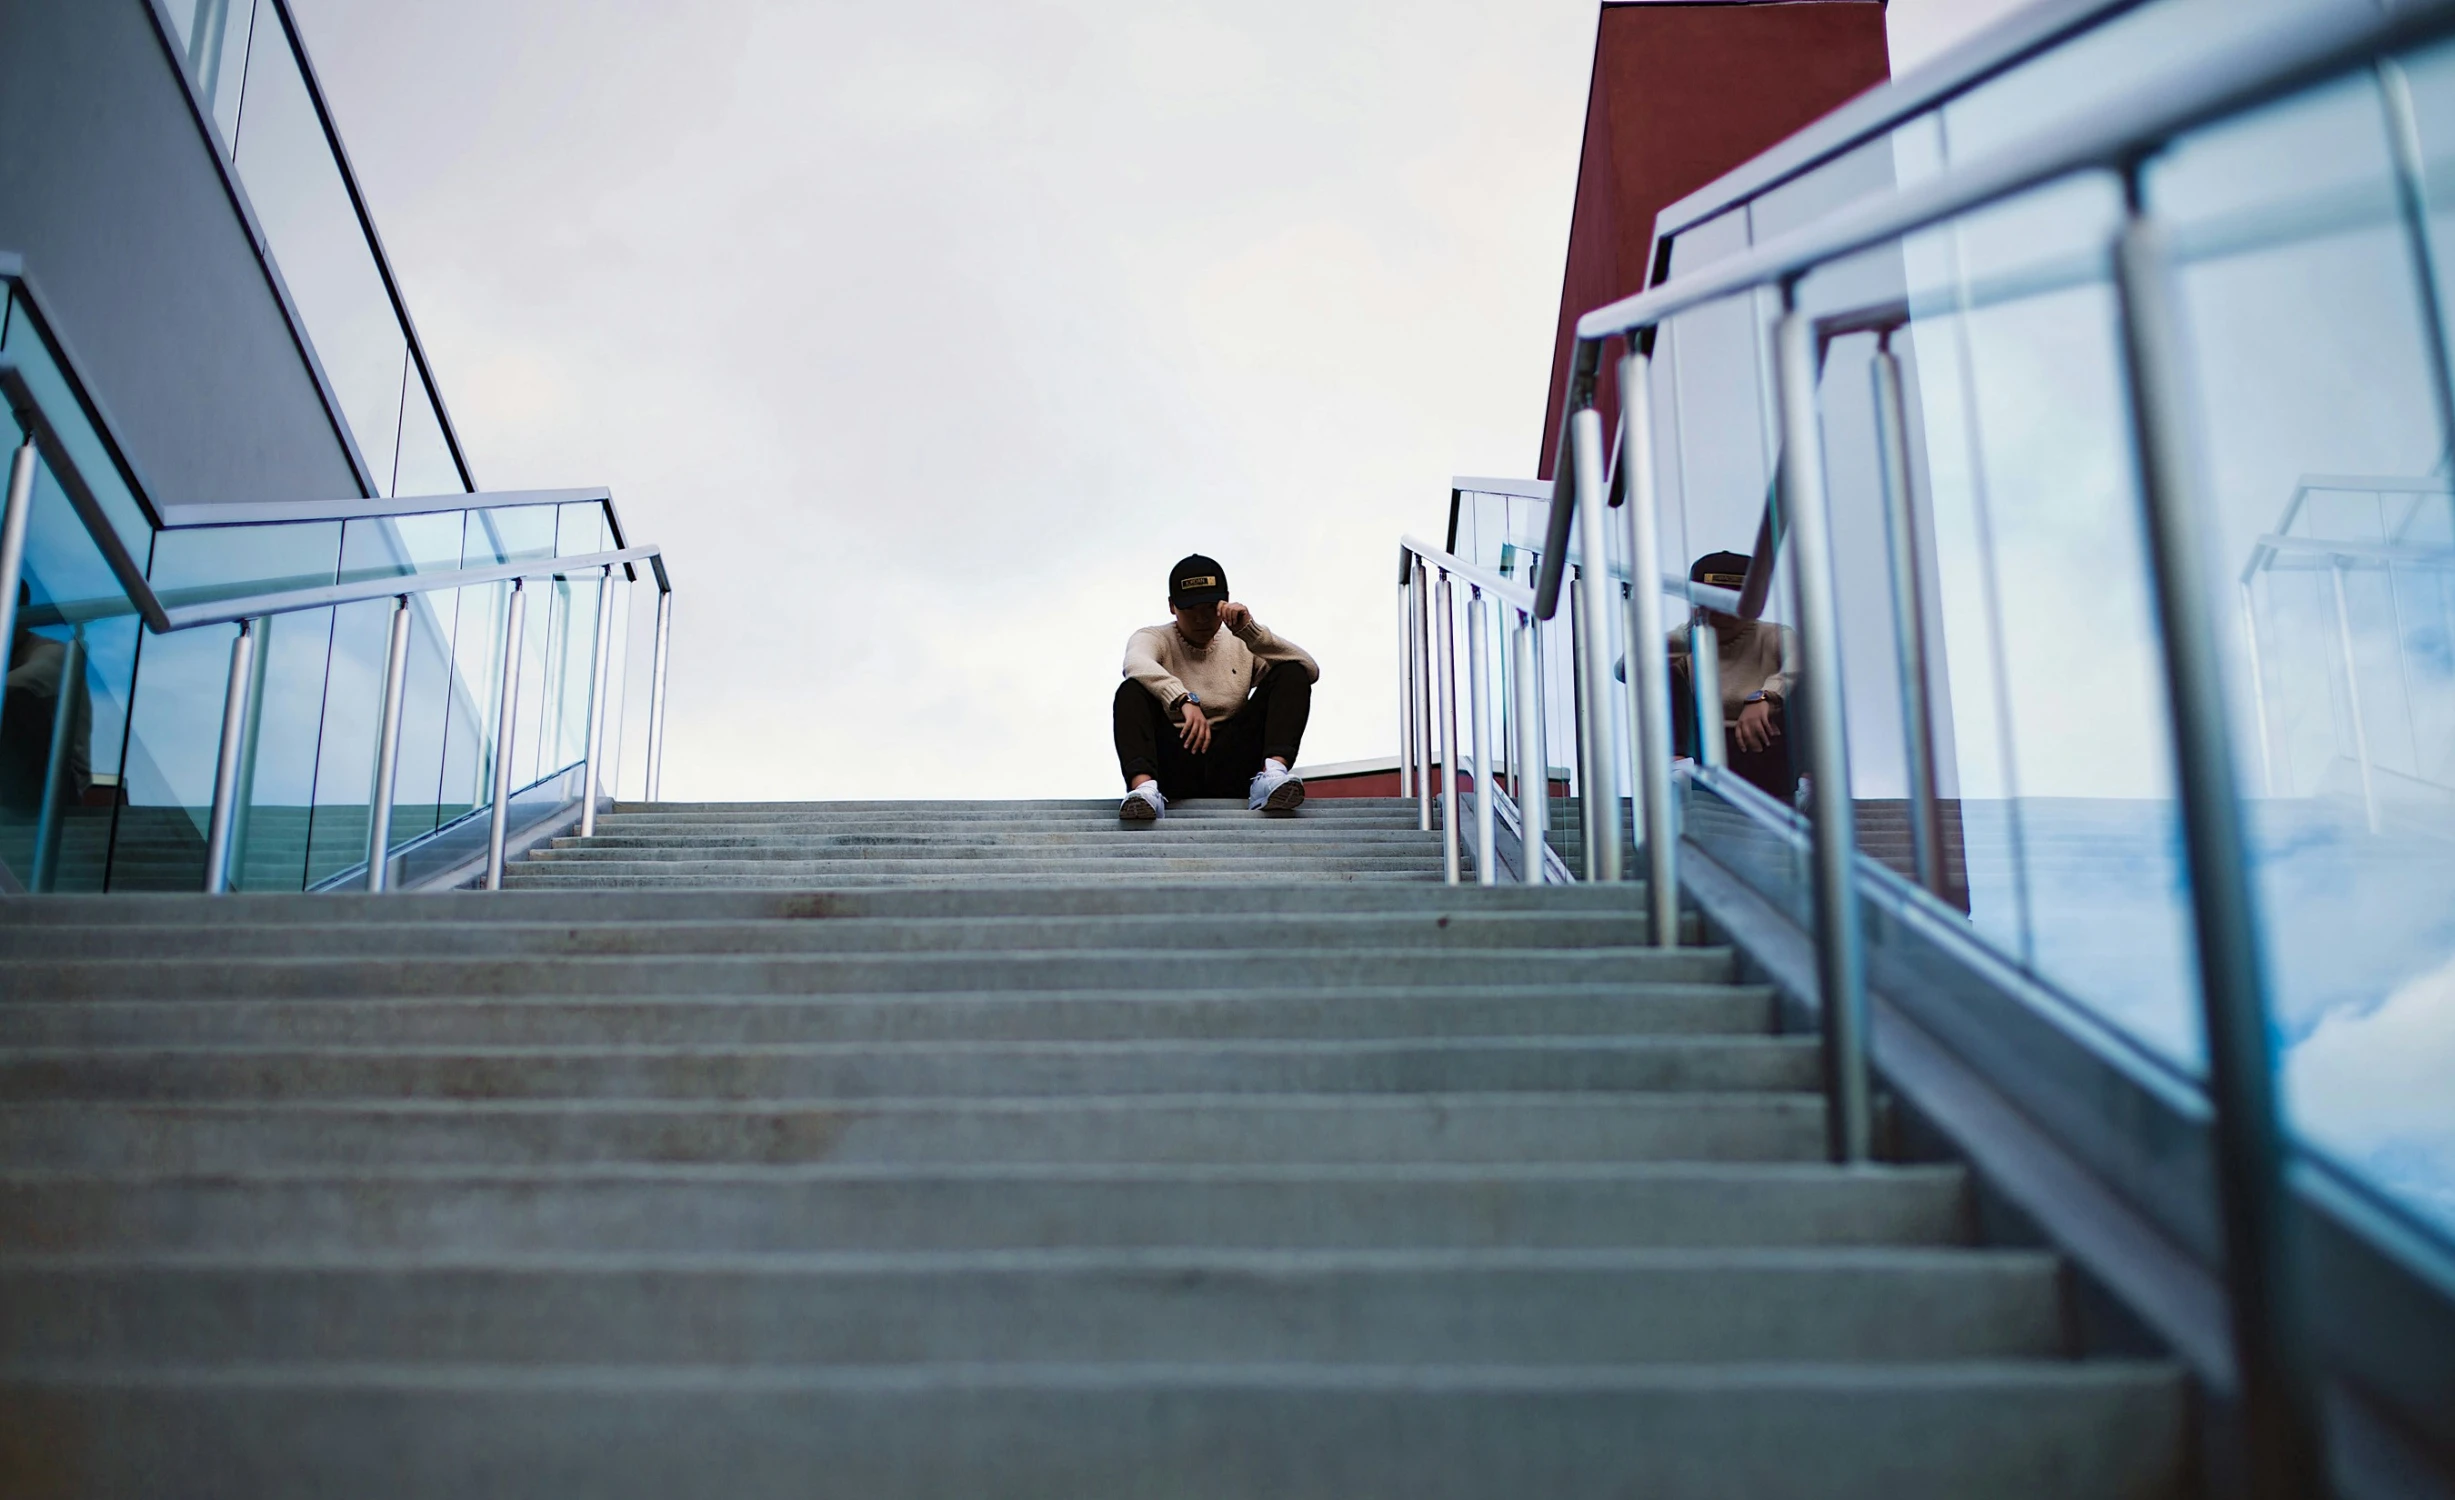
x: 1287, y: 796
x: 1135, y: 810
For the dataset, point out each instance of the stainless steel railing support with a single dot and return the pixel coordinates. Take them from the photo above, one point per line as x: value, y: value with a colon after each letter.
x: 1479, y: 716
x: 656, y: 697
x: 1649, y: 663
x: 1601, y: 770
x: 1445, y: 653
x: 505, y: 721
x: 48, y: 825
x: 2352, y: 696
x: 1406, y: 681
x: 226, y: 791
x: 1581, y: 781
x: 1908, y: 619
x: 1841, y: 962
x: 594, y: 757
x: 1419, y: 635
x: 13, y: 537
x: 387, y: 749
x: 1705, y: 667
x: 2278, y: 1383
x: 1533, y: 777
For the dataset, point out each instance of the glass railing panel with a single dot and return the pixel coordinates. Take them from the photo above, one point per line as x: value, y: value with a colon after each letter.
x: 398, y: 546
x: 304, y: 208
x: 63, y: 722
x: 580, y: 528
x: 509, y: 533
x: 574, y: 672
x: 475, y: 696
x: 201, y: 563
x: 24, y: 346
x: 2309, y: 333
x: 345, y: 748
x: 427, y: 704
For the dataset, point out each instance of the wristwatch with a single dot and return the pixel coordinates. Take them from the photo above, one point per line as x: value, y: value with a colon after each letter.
x: 1761, y: 696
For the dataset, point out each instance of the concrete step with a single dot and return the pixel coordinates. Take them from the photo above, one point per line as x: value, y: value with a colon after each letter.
x: 855, y: 935
x: 1191, y: 836
x: 767, y: 1210
x: 2005, y: 1430
x: 240, y: 1134
x: 799, y: 877
x: 866, y: 1070
x: 1264, y: 1307
x: 853, y: 973
x: 1038, y: 1015
x: 132, y: 912
x: 976, y: 810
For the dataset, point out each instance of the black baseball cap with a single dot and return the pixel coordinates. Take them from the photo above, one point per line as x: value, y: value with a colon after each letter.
x: 1196, y: 580
x: 1724, y: 570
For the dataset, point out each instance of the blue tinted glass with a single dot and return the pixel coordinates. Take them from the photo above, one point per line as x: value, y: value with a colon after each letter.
x: 509, y: 533
x: 326, y: 263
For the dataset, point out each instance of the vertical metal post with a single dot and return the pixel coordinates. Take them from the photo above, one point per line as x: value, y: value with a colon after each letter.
x: 656, y: 695
x: 65, y: 703
x: 1479, y: 716
x: 1533, y: 777
x: 594, y: 755
x: 1841, y: 968
x: 1446, y: 653
x: 387, y: 749
x: 226, y: 765
x: 506, y: 720
x: 1649, y: 662
x: 1705, y: 666
x: 1602, y: 781
x: 2258, y: 685
x: 1581, y: 776
x: 13, y: 540
x: 1419, y: 627
x: 2352, y: 695
x: 1926, y: 831
x: 2279, y: 1391
x: 1406, y: 678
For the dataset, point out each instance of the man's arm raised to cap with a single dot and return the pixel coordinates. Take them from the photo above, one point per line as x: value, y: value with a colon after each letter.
x: 1264, y: 645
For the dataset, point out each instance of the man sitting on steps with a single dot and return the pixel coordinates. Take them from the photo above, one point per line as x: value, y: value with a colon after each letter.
x: 1201, y: 714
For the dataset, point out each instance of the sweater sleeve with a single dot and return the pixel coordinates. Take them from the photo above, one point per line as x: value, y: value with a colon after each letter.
x: 1785, y: 676
x: 1142, y: 664
x: 1276, y: 649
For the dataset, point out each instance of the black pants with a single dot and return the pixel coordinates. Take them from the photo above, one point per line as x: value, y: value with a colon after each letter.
x: 1270, y: 723
x: 1774, y: 770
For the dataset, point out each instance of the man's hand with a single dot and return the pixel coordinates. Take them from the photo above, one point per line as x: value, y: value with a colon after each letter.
x: 1235, y: 616
x: 1757, y: 728
x: 1193, y: 730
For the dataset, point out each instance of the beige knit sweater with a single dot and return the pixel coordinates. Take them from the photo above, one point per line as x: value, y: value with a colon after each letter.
x: 1756, y: 657
x: 1222, y: 672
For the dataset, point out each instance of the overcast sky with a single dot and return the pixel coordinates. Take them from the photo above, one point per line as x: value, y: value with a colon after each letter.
x: 925, y: 337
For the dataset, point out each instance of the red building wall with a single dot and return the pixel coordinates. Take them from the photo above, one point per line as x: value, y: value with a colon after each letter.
x: 1681, y: 94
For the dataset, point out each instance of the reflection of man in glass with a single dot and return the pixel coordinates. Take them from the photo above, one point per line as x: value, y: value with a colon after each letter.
x: 1759, y: 668
x: 36, y: 666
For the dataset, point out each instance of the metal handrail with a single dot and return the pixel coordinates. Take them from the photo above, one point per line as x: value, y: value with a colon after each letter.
x: 291, y: 601
x: 1508, y: 591
x: 2279, y: 1388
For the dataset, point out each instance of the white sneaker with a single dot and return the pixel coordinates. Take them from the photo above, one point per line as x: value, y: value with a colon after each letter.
x: 1143, y: 804
x: 1275, y: 791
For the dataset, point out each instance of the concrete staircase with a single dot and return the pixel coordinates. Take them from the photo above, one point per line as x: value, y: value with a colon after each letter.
x: 1039, y: 1186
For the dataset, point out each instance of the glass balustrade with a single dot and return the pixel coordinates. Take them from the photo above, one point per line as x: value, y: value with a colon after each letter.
x: 113, y: 731
x: 2003, y: 692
